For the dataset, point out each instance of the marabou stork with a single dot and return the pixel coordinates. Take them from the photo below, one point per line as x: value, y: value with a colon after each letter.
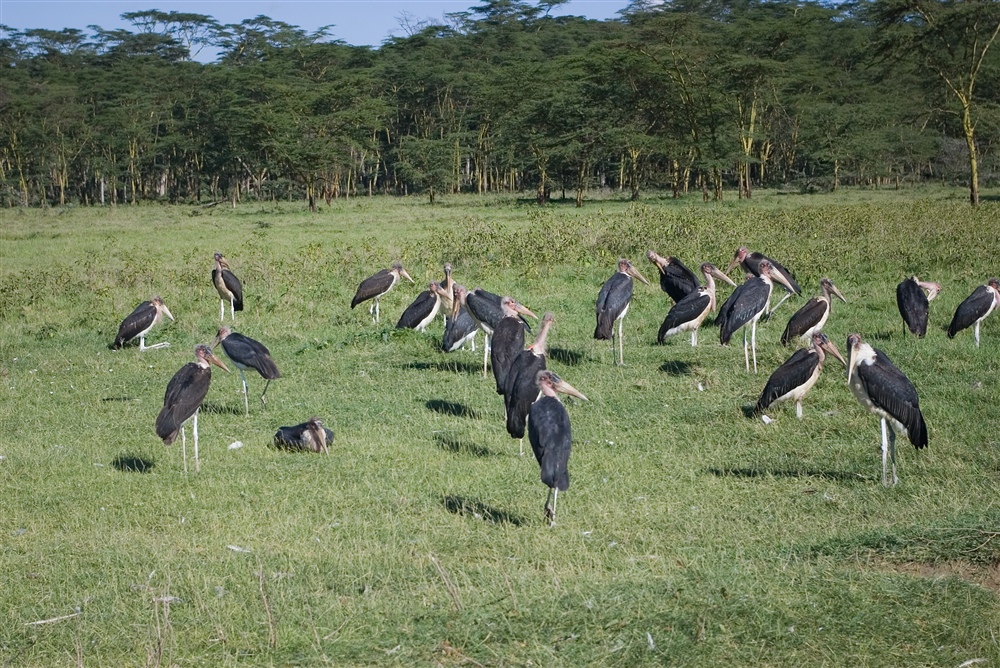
x: 751, y: 263
x: 522, y: 388
x: 883, y: 389
x: 447, y: 294
x: 612, y: 304
x: 675, y: 279
x: 375, y: 287
x: 145, y: 317
x: 508, y: 340
x: 798, y: 374
x: 688, y: 314
x: 310, y: 435
x: 422, y: 311
x: 461, y: 328
x: 247, y: 353
x: 913, y: 303
x: 983, y: 301
x: 185, y: 392
x: 229, y: 287
x: 551, y: 437
x: 745, y: 306
x: 484, y: 307
x: 813, y: 316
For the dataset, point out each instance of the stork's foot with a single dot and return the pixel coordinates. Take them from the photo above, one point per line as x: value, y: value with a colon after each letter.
x: 550, y: 515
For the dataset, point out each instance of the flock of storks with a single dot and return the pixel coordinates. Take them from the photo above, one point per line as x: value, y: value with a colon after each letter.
x: 529, y: 390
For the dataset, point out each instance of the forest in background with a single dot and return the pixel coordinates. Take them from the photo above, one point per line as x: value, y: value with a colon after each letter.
x: 704, y: 95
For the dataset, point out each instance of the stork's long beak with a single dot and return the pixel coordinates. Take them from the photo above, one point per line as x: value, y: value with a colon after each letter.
x: 832, y: 349
x: 836, y: 291
x: 217, y: 362
x: 635, y: 273
x: 402, y: 272
x: 167, y: 312
x: 656, y: 259
x: 732, y: 263
x: 850, y: 363
x: 780, y: 278
x: 566, y: 388
x: 524, y: 310
x: 722, y: 277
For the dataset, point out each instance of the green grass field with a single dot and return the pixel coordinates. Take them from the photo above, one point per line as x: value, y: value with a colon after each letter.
x: 691, y: 534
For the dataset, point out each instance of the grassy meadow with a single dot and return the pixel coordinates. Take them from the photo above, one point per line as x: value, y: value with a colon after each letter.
x: 691, y: 534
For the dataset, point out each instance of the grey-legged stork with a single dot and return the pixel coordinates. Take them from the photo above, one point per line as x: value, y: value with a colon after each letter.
x: 675, y: 279
x: 422, y: 311
x: 746, y: 306
x: 310, y: 435
x: 521, y: 388
x: 551, y: 436
x: 185, y: 392
x: 793, y: 379
x: 612, y: 304
x: 228, y: 286
x: 974, y: 309
x: 883, y: 389
x: 145, y: 317
x: 688, y: 314
x: 247, y: 353
x: 460, y: 328
x: 376, y: 286
x: 913, y: 303
x: 813, y: 316
x: 508, y: 339
x: 750, y: 261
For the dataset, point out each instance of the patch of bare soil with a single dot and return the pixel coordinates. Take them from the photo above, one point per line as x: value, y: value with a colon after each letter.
x: 987, y: 576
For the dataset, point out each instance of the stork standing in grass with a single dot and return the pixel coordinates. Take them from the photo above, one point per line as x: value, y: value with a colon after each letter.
x: 688, y: 314
x: 145, y: 317
x: 377, y: 285
x: 422, y: 311
x: 522, y: 388
x: 883, y: 389
x: 813, y: 316
x: 750, y: 261
x: 914, y: 305
x: 551, y: 436
x: 460, y: 327
x: 508, y: 340
x: 675, y: 279
x: 612, y: 304
x: 247, y: 353
x: 974, y: 309
x: 746, y: 306
x: 228, y: 286
x: 793, y: 379
x: 185, y: 393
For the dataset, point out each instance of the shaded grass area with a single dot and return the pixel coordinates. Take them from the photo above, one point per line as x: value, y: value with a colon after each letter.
x: 691, y: 534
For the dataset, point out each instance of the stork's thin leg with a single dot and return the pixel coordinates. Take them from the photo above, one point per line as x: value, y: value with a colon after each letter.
x: 246, y: 402
x: 798, y: 409
x: 197, y: 462
x: 548, y: 507
x: 753, y: 344
x: 232, y: 308
x: 892, y: 453
x: 378, y: 315
x: 161, y: 344
x: 473, y: 339
x: 222, y: 310
x: 694, y: 337
x: 977, y: 333
x: 621, y: 343
x: 263, y: 403
x: 746, y: 354
x: 885, y: 453
x: 486, y: 353
x: 184, y: 450
x: 787, y: 295
x: 555, y: 499
x: 142, y: 344
x: 521, y: 443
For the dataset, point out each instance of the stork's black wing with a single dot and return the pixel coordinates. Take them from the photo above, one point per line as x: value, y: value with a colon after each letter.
x: 185, y: 392
x: 252, y: 354
x: 373, y: 286
x: 485, y: 307
x: 686, y: 310
x: 804, y: 318
x: 551, y: 440
x: 418, y: 311
x: 458, y: 330
x: 677, y: 280
x: 747, y: 301
x: 233, y: 285
x: 521, y: 390
x: 890, y: 390
x: 134, y: 323
x: 792, y: 374
x: 507, y: 343
x: 912, y: 304
x: 972, y: 309
x: 615, y: 295
x: 752, y: 264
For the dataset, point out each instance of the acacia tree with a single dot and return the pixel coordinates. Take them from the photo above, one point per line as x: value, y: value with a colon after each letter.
x: 952, y: 38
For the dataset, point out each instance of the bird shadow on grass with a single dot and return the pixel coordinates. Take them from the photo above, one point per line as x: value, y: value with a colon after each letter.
x: 456, y: 366
x: 132, y: 464
x: 676, y: 368
x: 219, y: 409
x: 784, y: 473
x: 451, y: 408
x: 460, y: 505
x: 566, y: 356
x: 451, y: 443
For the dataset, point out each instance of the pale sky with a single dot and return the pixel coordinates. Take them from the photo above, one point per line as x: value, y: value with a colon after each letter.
x: 358, y: 22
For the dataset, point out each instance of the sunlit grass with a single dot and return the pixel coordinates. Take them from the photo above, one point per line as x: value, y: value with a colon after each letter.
x: 690, y: 534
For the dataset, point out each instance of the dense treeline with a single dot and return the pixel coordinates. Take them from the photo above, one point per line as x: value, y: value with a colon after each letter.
x: 688, y: 94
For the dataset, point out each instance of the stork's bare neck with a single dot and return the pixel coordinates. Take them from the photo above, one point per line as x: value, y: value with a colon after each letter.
x: 538, y: 347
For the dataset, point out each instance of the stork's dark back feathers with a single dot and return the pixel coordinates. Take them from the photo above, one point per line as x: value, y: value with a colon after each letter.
x: 507, y: 344
x: 790, y: 375
x: 913, y: 306
x: 521, y: 390
x: 972, y: 308
x: 232, y: 284
x: 686, y: 310
x: 551, y: 440
x: 890, y: 390
x: 614, y: 297
x: 185, y: 392
x: 418, y: 311
x: 135, y: 322
x: 374, y: 286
